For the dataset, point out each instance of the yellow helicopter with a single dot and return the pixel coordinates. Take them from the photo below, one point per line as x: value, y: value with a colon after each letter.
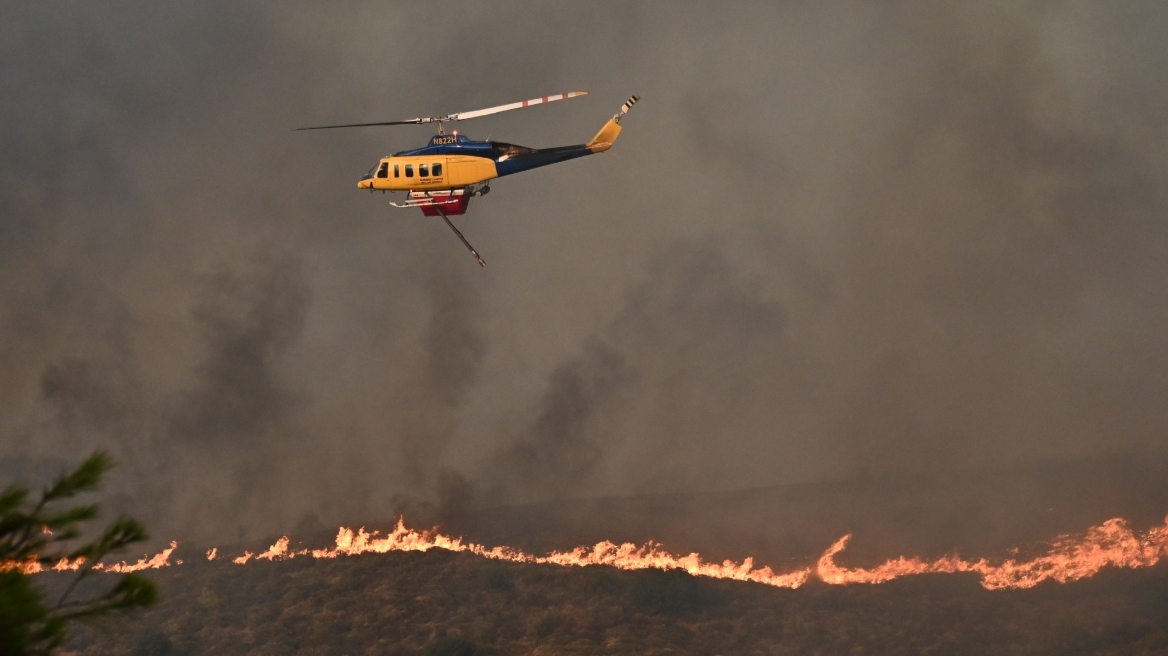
x: 442, y: 176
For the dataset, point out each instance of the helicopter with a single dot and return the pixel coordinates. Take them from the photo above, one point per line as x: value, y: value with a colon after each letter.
x: 441, y: 177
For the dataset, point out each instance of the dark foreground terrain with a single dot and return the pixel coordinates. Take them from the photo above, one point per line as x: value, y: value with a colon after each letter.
x: 444, y: 603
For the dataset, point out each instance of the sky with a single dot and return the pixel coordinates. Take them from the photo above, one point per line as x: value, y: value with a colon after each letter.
x: 834, y: 240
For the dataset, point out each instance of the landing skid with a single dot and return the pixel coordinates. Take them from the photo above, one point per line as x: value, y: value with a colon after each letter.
x: 428, y: 201
x: 449, y: 198
x: 464, y: 241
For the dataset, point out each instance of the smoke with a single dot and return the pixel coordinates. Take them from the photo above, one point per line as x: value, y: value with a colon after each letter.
x: 247, y: 327
x: 555, y: 455
x: 834, y: 241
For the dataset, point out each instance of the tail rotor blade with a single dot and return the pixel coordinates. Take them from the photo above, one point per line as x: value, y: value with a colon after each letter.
x: 626, y: 107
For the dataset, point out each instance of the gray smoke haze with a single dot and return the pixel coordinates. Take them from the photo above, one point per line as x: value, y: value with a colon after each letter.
x: 837, y: 240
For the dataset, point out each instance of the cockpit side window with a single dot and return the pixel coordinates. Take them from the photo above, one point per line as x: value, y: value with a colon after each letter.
x: 383, y: 171
x: 409, y: 170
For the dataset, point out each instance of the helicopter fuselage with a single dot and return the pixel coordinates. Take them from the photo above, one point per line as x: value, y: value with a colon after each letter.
x: 454, y: 161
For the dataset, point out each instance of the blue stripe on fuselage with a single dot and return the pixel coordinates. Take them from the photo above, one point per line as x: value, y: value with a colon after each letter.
x: 508, y: 158
x: 471, y: 148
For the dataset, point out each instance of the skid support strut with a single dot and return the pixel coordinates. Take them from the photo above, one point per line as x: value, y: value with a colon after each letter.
x: 464, y: 241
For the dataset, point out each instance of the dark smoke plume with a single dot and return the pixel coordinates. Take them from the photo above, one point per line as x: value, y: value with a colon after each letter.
x: 877, y: 243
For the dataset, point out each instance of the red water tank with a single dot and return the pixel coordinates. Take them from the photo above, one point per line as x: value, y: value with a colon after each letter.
x: 451, y: 209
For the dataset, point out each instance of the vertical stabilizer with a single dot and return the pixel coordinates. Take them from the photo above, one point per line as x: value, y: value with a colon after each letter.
x: 608, y: 134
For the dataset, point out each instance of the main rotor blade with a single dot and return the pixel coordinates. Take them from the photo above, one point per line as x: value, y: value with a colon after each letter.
x: 366, y: 125
x: 462, y: 116
x: 459, y: 116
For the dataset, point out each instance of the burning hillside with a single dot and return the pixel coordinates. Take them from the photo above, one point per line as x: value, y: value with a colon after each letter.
x: 1112, y: 544
x: 413, y: 602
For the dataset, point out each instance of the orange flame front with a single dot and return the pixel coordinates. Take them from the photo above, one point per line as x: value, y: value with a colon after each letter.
x: 625, y: 556
x: 161, y: 559
x: 1111, y: 544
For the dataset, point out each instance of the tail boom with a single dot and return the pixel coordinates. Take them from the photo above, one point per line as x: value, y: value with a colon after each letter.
x: 603, y: 140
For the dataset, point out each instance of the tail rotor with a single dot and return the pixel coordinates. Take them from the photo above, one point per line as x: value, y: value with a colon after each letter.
x: 626, y: 107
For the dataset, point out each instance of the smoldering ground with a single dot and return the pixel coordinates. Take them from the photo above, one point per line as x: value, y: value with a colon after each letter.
x: 889, y: 240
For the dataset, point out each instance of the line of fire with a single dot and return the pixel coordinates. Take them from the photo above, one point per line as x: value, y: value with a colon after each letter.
x: 1110, y: 544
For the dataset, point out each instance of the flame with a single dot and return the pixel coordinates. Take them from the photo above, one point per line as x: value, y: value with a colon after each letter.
x: 402, y: 539
x: 161, y: 559
x: 66, y: 565
x: 625, y: 556
x: 651, y: 555
x: 833, y: 574
x: 1109, y: 544
x: 279, y: 551
x: 24, y: 567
